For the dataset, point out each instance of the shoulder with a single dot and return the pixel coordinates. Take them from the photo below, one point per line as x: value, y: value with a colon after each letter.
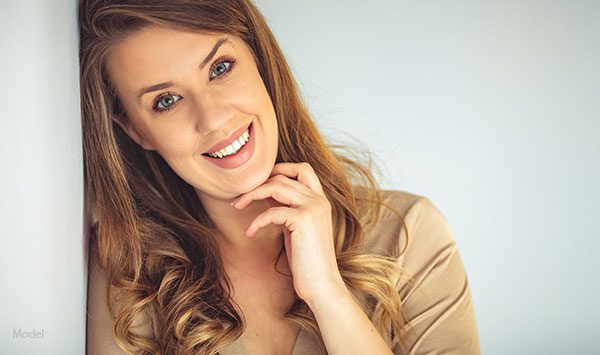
x: 408, y: 205
x: 99, y: 320
x: 100, y: 323
x: 434, y: 289
x: 404, y: 216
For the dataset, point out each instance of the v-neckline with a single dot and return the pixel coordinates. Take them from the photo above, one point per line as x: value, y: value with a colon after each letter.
x: 303, y: 345
x: 293, y: 347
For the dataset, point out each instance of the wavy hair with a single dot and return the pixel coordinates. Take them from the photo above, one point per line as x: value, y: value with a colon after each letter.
x: 153, y: 239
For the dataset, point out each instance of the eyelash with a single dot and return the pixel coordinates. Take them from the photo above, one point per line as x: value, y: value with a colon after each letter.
x: 232, y: 62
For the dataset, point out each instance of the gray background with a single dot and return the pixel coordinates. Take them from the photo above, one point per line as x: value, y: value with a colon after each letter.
x: 489, y: 108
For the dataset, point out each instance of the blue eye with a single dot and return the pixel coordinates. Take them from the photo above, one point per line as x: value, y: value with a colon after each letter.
x: 220, y: 67
x: 165, y: 102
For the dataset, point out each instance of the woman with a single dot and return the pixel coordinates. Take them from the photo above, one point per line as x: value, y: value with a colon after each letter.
x: 223, y: 221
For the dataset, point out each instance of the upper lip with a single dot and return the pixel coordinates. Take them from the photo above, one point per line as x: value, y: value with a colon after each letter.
x: 227, y: 141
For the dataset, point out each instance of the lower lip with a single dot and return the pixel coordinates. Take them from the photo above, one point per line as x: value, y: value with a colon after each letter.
x: 237, y: 159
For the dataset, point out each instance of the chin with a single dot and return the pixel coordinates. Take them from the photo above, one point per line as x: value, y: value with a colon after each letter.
x: 253, y: 180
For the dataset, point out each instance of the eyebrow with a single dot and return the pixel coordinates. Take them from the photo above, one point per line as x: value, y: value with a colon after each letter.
x: 167, y: 84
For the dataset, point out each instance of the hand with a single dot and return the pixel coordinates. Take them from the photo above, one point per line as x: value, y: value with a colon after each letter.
x: 305, y: 213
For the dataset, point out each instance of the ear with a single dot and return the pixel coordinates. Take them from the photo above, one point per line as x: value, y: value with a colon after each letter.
x: 132, y: 132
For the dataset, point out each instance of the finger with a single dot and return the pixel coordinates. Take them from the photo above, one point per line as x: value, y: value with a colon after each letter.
x: 274, y: 203
x: 280, y: 192
x: 302, y: 172
x: 277, y: 215
x: 283, y: 179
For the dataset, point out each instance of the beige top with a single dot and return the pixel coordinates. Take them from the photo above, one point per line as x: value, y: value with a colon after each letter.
x: 439, y: 308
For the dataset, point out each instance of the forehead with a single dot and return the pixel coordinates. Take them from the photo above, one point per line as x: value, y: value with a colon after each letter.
x: 158, y: 54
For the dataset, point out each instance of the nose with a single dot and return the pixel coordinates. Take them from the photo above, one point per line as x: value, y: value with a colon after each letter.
x: 212, y: 114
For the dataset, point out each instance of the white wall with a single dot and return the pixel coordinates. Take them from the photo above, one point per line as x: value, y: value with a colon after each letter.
x: 490, y: 108
x: 41, y: 187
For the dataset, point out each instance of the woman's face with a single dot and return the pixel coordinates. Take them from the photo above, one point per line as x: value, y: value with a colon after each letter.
x: 185, y: 92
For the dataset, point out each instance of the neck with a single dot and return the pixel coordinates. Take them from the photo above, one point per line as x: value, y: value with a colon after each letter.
x: 256, y: 254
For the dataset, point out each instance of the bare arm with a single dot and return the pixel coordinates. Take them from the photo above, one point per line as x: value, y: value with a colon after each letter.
x: 438, y: 306
x: 345, y: 328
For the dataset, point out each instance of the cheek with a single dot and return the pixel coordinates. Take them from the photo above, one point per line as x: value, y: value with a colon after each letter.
x: 174, y: 143
x: 251, y: 92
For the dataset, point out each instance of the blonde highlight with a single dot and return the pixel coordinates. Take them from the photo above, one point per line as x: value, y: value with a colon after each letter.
x: 153, y: 239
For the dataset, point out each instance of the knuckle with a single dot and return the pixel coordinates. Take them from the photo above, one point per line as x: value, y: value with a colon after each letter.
x: 279, y: 184
x: 272, y: 178
x: 304, y: 214
x: 278, y: 178
x: 272, y: 211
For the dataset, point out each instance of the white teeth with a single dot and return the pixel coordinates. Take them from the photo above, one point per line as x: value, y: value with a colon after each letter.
x: 236, y: 145
x: 233, y: 147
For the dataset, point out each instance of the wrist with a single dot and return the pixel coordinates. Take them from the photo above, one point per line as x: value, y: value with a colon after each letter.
x: 331, y: 292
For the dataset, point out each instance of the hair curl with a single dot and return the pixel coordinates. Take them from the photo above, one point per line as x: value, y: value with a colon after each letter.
x: 153, y: 239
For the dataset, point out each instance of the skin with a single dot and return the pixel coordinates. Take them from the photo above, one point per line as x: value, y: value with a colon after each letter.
x: 206, y: 105
x: 277, y: 204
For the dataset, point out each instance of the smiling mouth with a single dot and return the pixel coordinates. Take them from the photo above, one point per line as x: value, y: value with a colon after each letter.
x: 231, y: 149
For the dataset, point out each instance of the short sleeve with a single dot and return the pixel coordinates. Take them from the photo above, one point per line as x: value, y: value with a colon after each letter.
x: 437, y: 304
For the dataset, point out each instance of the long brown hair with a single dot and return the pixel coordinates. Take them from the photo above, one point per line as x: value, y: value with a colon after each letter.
x: 153, y: 239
